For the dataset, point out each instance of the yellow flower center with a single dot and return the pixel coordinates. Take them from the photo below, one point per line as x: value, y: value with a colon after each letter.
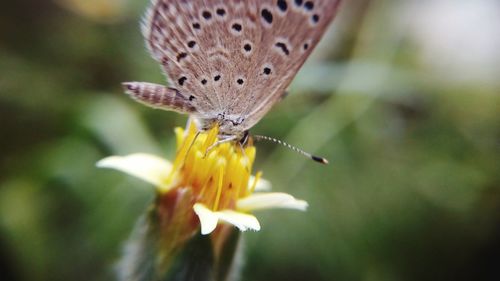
x: 218, y: 174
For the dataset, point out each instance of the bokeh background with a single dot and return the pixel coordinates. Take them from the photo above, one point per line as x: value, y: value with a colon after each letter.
x: 403, y: 98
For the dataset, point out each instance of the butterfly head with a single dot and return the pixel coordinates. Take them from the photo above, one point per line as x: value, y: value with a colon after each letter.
x: 230, y: 124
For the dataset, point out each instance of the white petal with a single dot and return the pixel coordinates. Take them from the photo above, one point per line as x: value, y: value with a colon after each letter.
x: 258, y: 201
x: 209, y: 219
x: 147, y: 167
x: 262, y: 184
x: 242, y: 221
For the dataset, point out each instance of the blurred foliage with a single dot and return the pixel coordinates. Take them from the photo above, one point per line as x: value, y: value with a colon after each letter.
x: 402, y: 97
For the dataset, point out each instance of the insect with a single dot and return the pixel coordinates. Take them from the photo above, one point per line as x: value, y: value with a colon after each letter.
x: 229, y: 61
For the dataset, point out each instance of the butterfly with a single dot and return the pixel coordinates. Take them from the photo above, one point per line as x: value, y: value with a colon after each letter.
x: 229, y: 61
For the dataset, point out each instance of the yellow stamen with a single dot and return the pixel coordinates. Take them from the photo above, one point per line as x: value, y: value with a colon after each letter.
x: 219, y: 188
x: 183, y: 150
x: 218, y: 178
x: 211, y: 137
x: 254, y: 184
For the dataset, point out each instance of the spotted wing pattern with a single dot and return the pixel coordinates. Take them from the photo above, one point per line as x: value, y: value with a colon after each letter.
x: 234, y: 57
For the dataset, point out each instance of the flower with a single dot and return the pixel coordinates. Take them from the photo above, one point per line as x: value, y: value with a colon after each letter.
x: 214, y: 179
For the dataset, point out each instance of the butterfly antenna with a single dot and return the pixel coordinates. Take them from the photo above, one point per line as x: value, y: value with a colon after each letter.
x: 296, y: 149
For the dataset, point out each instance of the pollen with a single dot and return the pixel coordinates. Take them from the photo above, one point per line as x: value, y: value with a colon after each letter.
x: 217, y: 174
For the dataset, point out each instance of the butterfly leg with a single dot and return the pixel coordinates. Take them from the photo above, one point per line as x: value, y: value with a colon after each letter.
x: 159, y: 96
x: 219, y: 142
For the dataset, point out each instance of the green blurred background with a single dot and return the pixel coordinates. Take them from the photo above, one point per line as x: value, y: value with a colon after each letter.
x: 403, y: 98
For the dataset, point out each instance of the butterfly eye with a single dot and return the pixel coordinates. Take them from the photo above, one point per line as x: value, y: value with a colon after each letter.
x: 238, y: 121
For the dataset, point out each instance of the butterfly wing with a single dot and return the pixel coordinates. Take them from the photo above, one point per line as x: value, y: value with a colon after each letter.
x: 235, y: 57
x: 188, y: 39
x: 289, y: 31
